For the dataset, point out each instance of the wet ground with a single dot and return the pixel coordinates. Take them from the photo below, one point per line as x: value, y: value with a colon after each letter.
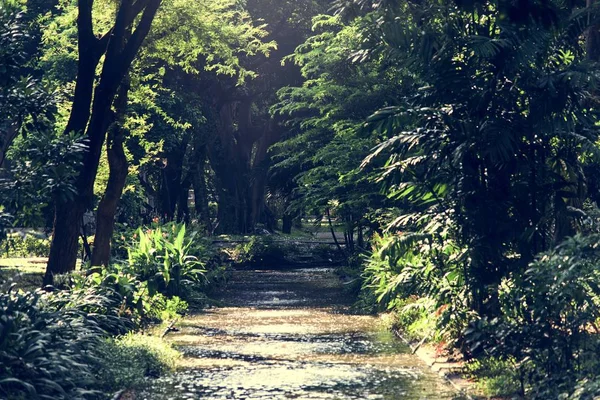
x: 287, y: 335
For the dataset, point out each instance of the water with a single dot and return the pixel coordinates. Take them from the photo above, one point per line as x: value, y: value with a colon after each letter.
x: 286, y: 335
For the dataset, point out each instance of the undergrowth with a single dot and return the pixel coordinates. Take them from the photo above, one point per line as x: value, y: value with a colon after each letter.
x: 81, y: 339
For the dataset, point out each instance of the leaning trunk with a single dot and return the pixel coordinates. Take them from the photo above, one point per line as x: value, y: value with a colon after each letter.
x: 118, y: 170
x: 66, y: 235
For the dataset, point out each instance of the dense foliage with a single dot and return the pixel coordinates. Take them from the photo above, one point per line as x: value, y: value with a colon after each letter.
x: 67, y: 343
x: 483, y: 121
x: 450, y: 148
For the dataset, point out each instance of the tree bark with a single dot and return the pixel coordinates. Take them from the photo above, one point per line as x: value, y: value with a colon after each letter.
x: 118, y: 171
x: 64, y: 242
x: 7, y: 137
x: 286, y: 224
x: 172, y: 182
x: 593, y: 37
x: 183, y: 211
x: 333, y: 235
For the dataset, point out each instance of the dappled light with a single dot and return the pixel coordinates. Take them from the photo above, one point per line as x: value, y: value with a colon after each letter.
x: 292, y: 351
x: 309, y: 199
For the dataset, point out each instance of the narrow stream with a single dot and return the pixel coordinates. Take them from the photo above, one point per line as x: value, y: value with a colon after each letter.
x: 285, y: 335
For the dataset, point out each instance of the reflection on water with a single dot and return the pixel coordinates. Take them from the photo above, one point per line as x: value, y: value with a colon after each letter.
x: 284, y: 335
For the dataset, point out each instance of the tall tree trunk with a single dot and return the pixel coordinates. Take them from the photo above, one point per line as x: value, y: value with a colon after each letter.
x: 119, y: 55
x: 171, y: 187
x: 361, y: 240
x: 333, y: 235
x: 260, y: 170
x: 7, y: 137
x: 286, y: 223
x: 200, y: 189
x: 64, y: 241
x: 183, y: 211
x: 118, y: 171
x: 593, y: 36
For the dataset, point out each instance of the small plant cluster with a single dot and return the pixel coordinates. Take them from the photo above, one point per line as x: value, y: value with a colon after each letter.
x: 420, y: 274
x: 172, y: 258
x: 548, y: 327
x: 162, y: 257
x: 260, y: 251
x: 64, y: 345
x: 17, y: 245
x: 543, y: 343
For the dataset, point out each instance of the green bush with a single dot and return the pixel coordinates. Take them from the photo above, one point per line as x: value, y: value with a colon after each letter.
x: 162, y: 258
x: 47, y: 344
x: 137, y: 250
x: 59, y: 345
x: 549, y: 317
x: 418, y: 318
x: 495, y: 377
x: 137, y: 303
x: 260, y: 251
x: 585, y: 389
x: 420, y: 266
x: 29, y: 245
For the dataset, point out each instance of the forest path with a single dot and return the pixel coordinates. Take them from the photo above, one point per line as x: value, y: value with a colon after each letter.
x: 286, y: 334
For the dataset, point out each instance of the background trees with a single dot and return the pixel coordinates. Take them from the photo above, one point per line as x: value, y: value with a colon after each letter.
x: 23, y: 99
x: 486, y: 142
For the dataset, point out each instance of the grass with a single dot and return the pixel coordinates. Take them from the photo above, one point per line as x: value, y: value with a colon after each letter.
x: 128, y: 360
x: 27, y: 273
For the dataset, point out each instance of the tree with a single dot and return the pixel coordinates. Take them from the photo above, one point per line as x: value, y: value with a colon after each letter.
x: 90, y: 112
x: 118, y: 170
x: 245, y: 128
x: 326, y: 143
x: 190, y: 41
x: 497, y: 132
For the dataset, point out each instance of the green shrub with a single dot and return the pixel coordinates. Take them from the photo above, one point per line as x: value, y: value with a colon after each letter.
x: 137, y: 250
x: 495, y: 377
x: 58, y: 345
x: 418, y: 318
x: 585, y: 389
x: 16, y: 245
x: 137, y: 302
x: 549, y: 315
x: 47, y: 345
x: 260, y: 251
x: 161, y: 257
x: 426, y: 266
x: 167, y: 309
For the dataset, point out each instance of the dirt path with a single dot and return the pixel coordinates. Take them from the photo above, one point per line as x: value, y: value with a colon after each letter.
x: 285, y: 335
